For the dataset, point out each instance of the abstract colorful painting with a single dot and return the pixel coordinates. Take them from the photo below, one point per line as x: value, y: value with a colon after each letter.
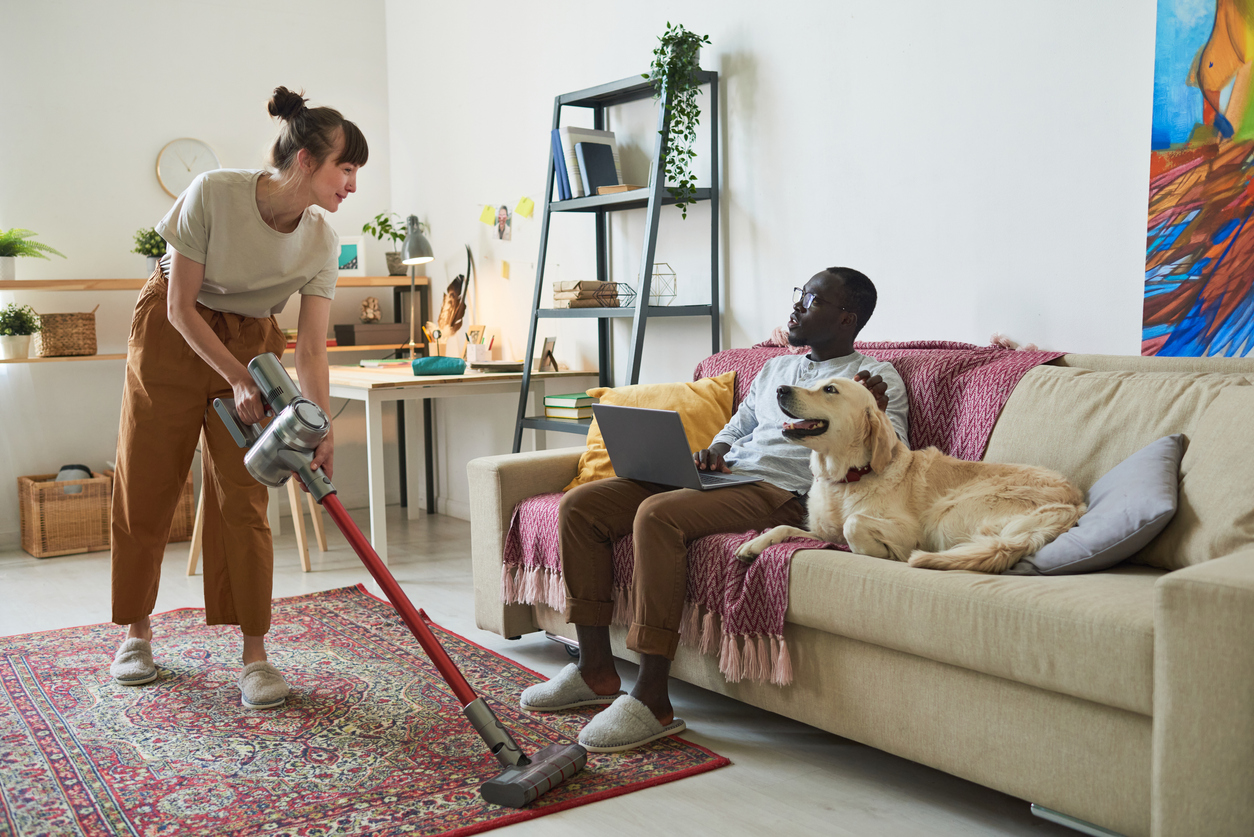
x: 1199, y: 256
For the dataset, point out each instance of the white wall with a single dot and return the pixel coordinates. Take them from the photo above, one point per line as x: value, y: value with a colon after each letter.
x: 90, y: 94
x: 986, y: 163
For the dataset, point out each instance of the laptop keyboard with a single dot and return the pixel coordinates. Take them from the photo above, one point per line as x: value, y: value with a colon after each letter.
x: 708, y: 478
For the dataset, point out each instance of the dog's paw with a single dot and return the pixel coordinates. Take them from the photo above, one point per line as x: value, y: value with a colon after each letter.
x: 750, y: 550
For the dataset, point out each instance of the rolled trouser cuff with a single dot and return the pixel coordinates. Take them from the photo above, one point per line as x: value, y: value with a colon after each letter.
x: 646, y: 640
x: 590, y: 614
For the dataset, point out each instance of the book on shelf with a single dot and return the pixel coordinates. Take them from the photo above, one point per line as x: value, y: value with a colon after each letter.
x: 570, y: 136
x: 590, y: 302
x: 570, y: 399
x: 291, y: 342
x: 613, y: 190
x: 596, y: 165
x: 580, y: 285
x: 382, y: 363
x: 567, y: 412
x: 608, y: 293
x: 559, y: 168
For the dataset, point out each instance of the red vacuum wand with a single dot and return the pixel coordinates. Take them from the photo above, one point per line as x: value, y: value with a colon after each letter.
x: 285, y: 447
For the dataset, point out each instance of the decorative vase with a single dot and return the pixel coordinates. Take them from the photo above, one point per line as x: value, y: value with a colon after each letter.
x: 152, y: 264
x: 14, y: 346
x: 395, y: 267
x: 8, y: 268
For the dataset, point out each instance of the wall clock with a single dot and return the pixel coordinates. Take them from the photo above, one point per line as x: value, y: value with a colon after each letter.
x: 181, y: 161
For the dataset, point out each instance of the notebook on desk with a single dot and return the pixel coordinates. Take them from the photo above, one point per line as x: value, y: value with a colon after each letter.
x: 651, y: 446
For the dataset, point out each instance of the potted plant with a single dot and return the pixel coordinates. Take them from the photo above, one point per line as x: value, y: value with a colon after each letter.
x: 17, y: 324
x: 14, y: 243
x: 149, y: 243
x: 384, y: 229
x: 674, y: 76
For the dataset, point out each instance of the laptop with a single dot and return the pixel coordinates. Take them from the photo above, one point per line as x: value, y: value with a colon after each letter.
x: 650, y: 446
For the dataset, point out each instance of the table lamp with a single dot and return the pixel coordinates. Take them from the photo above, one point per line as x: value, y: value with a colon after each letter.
x: 417, y: 250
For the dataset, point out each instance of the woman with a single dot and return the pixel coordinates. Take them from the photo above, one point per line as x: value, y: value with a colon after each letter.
x: 241, y: 243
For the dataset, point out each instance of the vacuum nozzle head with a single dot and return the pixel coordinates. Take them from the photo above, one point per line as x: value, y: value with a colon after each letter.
x: 523, y: 784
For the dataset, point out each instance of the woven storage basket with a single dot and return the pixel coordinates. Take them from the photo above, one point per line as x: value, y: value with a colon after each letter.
x: 184, y: 512
x: 57, y: 523
x: 66, y: 335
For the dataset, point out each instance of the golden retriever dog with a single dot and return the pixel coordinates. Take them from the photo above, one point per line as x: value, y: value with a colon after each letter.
x: 872, y: 492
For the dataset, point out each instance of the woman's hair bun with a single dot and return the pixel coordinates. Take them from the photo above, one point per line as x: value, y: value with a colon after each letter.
x: 285, y: 104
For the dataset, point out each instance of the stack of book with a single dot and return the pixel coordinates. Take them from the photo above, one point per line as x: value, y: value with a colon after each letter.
x: 587, y: 293
x: 574, y: 405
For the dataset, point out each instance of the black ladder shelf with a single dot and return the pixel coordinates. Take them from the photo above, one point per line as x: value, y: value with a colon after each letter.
x: 651, y: 199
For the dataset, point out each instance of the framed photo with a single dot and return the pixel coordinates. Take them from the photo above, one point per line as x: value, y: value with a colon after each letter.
x: 474, y: 334
x: 547, y: 362
x: 352, y: 256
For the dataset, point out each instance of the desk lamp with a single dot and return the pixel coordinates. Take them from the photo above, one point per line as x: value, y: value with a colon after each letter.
x: 417, y: 250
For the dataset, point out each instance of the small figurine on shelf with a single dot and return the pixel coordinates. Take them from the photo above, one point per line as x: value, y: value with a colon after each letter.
x: 370, y: 312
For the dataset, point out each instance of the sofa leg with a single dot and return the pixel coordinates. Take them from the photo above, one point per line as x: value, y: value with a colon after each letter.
x: 1071, y: 822
x: 571, y: 645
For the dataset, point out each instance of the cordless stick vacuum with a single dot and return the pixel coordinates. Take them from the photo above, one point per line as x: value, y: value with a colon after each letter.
x: 286, y: 446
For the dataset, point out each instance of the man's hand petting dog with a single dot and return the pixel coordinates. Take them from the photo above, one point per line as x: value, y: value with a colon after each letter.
x: 877, y: 387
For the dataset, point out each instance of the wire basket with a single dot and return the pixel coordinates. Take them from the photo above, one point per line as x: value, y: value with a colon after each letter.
x: 55, y: 522
x: 66, y: 335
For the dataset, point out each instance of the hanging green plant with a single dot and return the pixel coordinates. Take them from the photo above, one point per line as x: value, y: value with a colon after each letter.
x: 674, y: 75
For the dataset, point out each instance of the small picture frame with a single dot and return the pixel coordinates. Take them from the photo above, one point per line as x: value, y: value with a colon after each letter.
x: 352, y: 256
x: 474, y: 334
x: 547, y: 362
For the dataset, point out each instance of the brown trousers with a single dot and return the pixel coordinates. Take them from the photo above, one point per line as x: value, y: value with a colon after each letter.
x: 663, y: 521
x: 166, y: 406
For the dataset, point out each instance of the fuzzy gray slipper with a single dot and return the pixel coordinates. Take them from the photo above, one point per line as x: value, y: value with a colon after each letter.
x: 628, y: 723
x: 133, y: 665
x: 565, y: 691
x: 261, y: 686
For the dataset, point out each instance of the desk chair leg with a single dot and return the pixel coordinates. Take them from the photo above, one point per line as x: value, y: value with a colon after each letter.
x: 198, y: 528
x: 315, y: 512
x: 298, y: 523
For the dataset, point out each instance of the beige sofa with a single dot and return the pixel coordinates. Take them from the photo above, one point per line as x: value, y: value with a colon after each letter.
x: 1123, y: 698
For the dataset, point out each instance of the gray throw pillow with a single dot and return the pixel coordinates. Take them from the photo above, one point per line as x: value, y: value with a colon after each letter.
x: 1131, y: 504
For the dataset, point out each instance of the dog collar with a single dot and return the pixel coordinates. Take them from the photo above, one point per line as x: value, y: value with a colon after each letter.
x: 855, y: 474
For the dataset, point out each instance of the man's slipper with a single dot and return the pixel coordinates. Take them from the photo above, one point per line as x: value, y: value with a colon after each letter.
x: 566, y: 691
x: 133, y: 665
x: 261, y: 686
x: 628, y: 723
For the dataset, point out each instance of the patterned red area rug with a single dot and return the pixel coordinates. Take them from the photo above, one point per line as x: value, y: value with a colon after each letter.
x: 370, y: 742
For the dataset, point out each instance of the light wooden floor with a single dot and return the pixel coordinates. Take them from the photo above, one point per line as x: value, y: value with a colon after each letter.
x: 786, y: 778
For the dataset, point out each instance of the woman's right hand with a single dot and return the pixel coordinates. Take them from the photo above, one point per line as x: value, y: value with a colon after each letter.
x: 248, y: 404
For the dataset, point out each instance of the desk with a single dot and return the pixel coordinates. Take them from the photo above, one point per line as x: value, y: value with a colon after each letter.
x: 374, y: 387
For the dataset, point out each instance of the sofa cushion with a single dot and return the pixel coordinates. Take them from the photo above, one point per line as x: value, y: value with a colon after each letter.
x: 1083, y: 423
x: 704, y: 407
x: 1089, y: 636
x: 1216, y: 513
x: 1127, y: 507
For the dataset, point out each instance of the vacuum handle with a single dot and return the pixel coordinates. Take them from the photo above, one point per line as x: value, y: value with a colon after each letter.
x: 243, y: 434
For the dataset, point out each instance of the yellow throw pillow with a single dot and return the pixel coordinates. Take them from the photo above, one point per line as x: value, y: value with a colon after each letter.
x: 704, y: 407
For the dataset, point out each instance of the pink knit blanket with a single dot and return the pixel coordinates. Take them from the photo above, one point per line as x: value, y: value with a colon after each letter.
x: 956, y: 392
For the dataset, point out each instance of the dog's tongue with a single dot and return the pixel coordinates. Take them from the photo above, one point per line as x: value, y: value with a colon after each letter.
x: 803, y: 424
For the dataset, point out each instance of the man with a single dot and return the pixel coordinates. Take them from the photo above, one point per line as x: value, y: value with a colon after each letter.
x: 827, y: 315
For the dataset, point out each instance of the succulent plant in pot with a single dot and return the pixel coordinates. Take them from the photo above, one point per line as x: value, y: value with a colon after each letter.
x: 149, y: 243
x: 16, y: 243
x: 17, y: 324
x: 384, y: 229
x: 674, y: 76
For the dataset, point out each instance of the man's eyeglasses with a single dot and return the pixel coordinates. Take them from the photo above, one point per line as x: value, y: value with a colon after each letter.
x: 807, y: 299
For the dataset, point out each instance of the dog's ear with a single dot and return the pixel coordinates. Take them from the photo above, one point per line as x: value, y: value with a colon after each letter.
x: 880, y: 439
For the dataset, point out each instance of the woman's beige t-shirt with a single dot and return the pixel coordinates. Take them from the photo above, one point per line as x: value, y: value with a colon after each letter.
x: 250, y: 268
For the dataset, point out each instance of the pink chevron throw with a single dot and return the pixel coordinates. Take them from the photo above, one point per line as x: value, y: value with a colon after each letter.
x: 956, y: 392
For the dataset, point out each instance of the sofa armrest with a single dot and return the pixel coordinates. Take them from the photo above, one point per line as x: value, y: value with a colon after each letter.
x: 497, y: 485
x: 1204, y: 698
